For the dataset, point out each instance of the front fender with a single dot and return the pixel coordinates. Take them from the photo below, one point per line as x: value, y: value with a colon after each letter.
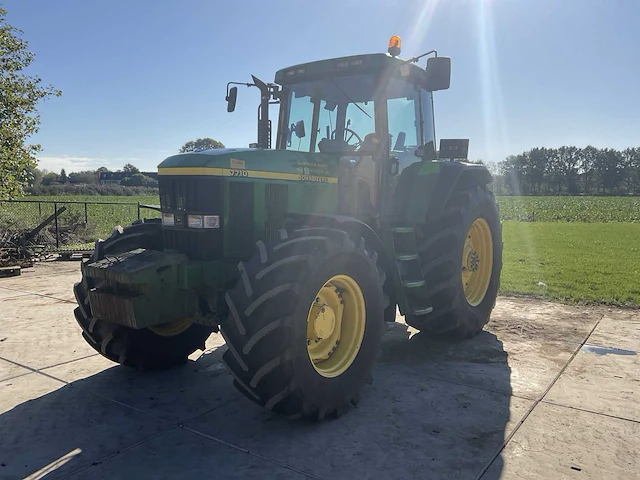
x: 340, y: 222
x: 355, y: 227
x: 434, y: 184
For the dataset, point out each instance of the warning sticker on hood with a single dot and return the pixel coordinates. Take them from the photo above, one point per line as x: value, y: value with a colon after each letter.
x: 237, y: 164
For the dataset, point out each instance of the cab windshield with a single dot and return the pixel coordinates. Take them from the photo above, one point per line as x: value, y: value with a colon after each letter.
x: 339, y: 112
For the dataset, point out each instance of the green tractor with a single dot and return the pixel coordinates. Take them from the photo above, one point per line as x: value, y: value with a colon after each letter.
x: 300, y: 255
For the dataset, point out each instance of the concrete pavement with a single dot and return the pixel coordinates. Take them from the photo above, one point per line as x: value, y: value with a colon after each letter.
x: 547, y: 391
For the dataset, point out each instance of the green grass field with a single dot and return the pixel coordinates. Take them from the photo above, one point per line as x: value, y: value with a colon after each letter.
x: 576, y: 262
x: 570, y: 209
x: 528, y: 209
x: 148, y: 199
x: 100, y: 215
x: 582, y: 249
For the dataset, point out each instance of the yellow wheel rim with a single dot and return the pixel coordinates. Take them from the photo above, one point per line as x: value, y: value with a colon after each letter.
x: 477, y: 261
x: 335, y: 326
x: 172, y: 329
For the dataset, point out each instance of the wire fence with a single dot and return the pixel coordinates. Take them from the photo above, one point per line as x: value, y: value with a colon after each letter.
x: 72, y: 225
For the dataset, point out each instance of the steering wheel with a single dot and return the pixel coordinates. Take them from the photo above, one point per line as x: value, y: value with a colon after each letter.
x: 349, y: 134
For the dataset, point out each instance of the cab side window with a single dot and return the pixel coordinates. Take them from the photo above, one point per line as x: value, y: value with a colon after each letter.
x: 403, y: 110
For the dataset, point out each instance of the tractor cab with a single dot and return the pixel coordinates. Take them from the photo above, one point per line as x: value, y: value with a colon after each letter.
x: 372, y: 112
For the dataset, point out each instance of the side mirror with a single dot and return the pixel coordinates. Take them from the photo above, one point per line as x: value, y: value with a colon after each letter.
x: 438, y: 74
x: 231, y: 98
x: 427, y: 152
x: 299, y: 129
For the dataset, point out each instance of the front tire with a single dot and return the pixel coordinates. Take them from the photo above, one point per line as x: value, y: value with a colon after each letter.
x: 461, y: 256
x: 160, y: 348
x: 290, y: 300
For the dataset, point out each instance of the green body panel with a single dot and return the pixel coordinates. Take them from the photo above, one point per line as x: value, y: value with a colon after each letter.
x: 302, y: 197
x: 311, y: 180
x: 421, y: 197
x: 277, y: 161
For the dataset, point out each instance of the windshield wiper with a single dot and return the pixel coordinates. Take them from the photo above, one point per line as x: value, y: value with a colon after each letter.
x: 349, y: 98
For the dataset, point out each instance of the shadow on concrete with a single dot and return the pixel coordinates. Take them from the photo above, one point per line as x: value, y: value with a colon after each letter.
x: 473, y: 402
x: 421, y: 418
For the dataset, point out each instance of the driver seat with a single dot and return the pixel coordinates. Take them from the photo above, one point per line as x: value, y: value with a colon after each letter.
x: 367, y: 170
x: 366, y: 174
x: 360, y: 181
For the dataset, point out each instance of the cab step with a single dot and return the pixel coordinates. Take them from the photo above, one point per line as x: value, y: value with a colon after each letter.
x: 409, y: 270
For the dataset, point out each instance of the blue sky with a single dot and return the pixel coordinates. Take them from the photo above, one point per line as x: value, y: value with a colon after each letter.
x: 140, y: 78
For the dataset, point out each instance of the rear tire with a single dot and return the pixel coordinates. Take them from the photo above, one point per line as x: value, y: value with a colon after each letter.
x: 441, y: 252
x: 136, y: 348
x: 267, y: 326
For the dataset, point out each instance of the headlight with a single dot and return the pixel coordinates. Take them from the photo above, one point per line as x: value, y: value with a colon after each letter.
x: 211, y: 221
x: 168, y: 220
x: 203, y: 221
x: 194, y: 221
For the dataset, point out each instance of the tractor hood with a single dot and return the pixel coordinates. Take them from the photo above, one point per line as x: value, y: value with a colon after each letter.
x: 254, y: 163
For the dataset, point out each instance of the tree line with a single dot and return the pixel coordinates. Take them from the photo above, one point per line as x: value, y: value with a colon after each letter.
x: 46, y: 177
x: 569, y: 171
x: 87, y: 182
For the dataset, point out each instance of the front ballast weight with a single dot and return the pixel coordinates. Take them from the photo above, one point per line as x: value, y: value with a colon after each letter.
x: 144, y: 288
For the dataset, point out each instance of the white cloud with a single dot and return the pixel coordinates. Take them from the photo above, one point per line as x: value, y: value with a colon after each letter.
x: 71, y: 163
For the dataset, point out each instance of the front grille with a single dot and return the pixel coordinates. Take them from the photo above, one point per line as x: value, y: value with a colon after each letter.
x: 183, y: 195
x: 276, y: 200
x: 240, y: 221
x: 195, y: 194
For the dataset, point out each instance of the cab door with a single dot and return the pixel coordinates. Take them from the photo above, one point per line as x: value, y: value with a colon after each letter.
x: 410, y: 132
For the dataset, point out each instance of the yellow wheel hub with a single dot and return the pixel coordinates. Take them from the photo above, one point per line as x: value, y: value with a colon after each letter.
x: 477, y: 261
x: 335, y: 326
x: 172, y: 329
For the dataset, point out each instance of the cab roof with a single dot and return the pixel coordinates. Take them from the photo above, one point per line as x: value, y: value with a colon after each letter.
x: 351, y: 65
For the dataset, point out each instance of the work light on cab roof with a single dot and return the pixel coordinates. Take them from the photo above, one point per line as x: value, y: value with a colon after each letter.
x: 395, y: 44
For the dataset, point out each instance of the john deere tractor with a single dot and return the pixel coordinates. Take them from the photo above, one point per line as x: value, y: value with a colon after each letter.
x: 299, y: 255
